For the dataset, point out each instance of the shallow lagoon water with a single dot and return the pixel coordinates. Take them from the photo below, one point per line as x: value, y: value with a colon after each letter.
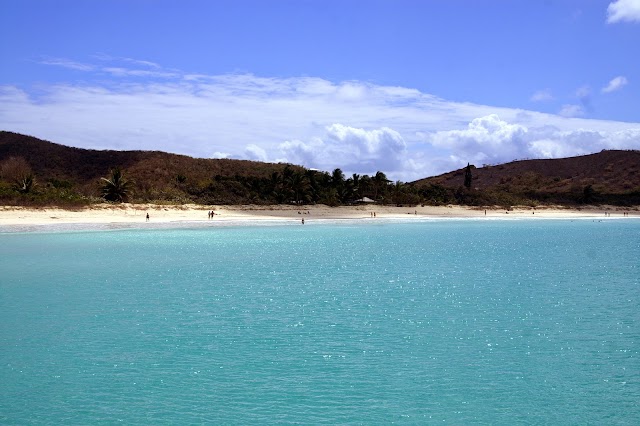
x: 456, y: 321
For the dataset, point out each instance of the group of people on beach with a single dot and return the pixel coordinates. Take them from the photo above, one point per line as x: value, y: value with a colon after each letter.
x: 211, y: 214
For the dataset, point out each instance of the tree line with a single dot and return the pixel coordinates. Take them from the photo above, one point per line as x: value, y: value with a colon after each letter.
x: 288, y: 185
x: 273, y: 184
x: 293, y: 185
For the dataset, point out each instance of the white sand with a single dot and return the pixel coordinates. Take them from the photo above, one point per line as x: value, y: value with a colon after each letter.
x: 136, y: 213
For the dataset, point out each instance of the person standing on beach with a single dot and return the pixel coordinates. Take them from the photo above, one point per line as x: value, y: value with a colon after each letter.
x: 147, y: 217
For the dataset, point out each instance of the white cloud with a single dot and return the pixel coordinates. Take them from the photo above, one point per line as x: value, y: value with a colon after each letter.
x: 351, y: 149
x: 109, y: 58
x: 485, y: 140
x: 150, y: 69
x: 219, y: 155
x: 615, y: 84
x: 66, y: 63
x: 254, y: 152
x: 306, y: 154
x: 542, y: 95
x: 126, y: 72
x: 148, y: 64
x: 623, y: 10
x: 571, y: 111
x: 490, y: 140
x: 357, y: 126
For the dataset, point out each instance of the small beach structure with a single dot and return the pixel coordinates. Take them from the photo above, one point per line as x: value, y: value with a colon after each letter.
x: 365, y: 200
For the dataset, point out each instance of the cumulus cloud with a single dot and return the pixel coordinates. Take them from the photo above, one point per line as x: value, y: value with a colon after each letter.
x: 254, y: 152
x: 485, y: 140
x: 357, y: 126
x: 490, y: 140
x: 349, y: 148
x: 542, y: 95
x: 219, y: 155
x: 615, y: 84
x: 623, y: 10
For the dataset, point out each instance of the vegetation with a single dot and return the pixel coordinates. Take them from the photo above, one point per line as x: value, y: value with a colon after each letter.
x: 36, y: 172
x: 116, y: 187
x: 608, y: 177
x: 468, y: 176
x: 17, y: 172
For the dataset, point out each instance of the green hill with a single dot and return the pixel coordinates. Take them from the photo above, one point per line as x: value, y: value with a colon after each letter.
x: 68, y: 176
x: 37, y: 172
x: 608, y: 177
x: 157, y: 176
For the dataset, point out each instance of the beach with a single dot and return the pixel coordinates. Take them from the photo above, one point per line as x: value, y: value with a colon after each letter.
x: 166, y: 214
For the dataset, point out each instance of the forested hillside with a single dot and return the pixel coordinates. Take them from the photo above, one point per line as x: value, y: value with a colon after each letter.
x: 37, y: 172
x: 608, y: 177
x: 33, y: 171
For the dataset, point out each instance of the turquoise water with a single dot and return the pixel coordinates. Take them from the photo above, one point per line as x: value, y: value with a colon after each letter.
x: 461, y: 322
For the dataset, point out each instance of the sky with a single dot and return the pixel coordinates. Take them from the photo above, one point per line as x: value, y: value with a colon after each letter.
x: 413, y: 88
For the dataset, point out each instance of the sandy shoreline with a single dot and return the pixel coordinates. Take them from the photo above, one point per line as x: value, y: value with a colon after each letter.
x: 132, y: 214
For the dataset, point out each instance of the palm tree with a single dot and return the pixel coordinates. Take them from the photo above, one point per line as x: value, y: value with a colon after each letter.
x: 380, y: 182
x: 26, y: 183
x: 365, y: 186
x: 314, y: 185
x: 468, y: 176
x: 275, y: 187
x: 355, y: 179
x: 116, y: 188
x: 17, y: 169
x: 299, y: 186
x: 398, y: 192
x: 345, y: 193
x: 337, y: 178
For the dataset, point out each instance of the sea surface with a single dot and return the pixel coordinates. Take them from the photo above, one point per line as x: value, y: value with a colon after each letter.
x: 371, y: 322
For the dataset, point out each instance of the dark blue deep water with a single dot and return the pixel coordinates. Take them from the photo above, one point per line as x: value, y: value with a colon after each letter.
x: 455, y: 321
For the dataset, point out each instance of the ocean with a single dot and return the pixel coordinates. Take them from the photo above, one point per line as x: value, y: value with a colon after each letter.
x: 336, y: 322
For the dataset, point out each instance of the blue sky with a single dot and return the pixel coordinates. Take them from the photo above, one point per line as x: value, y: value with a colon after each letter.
x: 412, y: 88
